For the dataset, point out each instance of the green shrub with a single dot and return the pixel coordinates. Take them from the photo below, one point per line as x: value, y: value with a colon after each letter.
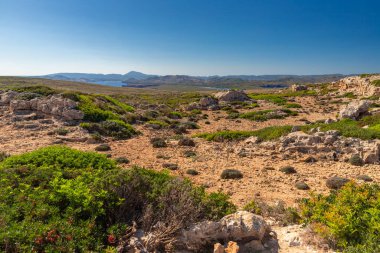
x: 349, y: 217
x: 103, y: 147
x: 114, y: 128
x: 252, y: 207
x: 158, y: 142
x: 231, y: 174
x: 376, y: 83
x: 121, y: 160
x: 264, y: 134
x: 62, y: 131
x: 175, y: 115
x: 38, y: 89
x: 57, y: 199
x: 288, y: 170
x: 292, y: 105
x: 356, y: 160
x: 350, y: 128
x: 267, y: 114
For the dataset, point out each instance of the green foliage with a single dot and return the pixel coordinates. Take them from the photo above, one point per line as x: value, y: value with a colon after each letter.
x: 97, y: 108
x: 349, y: 217
x: 365, y: 75
x: 57, y: 199
x: 252, y: 207
x: 175, y: 115
x: 3, y: 155
x: 114, y: 128
x: 267, y: 114
x: 264, y: 134
x: 352, y: 128
x: 349, y: 95
x: 158, y: 123
x: 292, y: 105
x: 38, y: 89
x: 376, y: 83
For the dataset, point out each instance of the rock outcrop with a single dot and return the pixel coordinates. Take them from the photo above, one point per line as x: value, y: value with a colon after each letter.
x: 246, y: 229
x: 231, y: 96
x: 297, y: 87
x: 360, y: 86
x: 329, y: 144
x: 54, y: 105
x: 355, y: 109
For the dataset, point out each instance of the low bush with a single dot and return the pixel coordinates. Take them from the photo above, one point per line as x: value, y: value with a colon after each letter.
x: 122, y: 160
x: 288, y: 170
x: 231, y: 174
x: 356, y: 160
x: 38, y: 89
x: 348, y: 218
x: 113, y: 128
x: 158, y: 142
x: 57, y: 199
x: 376, y: 83
x: 185, y: 141
x: 192, y: 172
x: 103, y: 147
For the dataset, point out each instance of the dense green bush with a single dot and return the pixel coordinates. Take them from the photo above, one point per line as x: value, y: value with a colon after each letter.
x: 57, y: 199
x: 349, y: 217
x: 38, y: 89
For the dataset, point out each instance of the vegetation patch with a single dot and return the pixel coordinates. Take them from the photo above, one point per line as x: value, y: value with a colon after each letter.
x: 264, y: 134
x: 376, y: 83
x: 352, y: 128
x: 349, y: 219
x: 57, y: 199
x: 267, y: 114
x: 114, y: 128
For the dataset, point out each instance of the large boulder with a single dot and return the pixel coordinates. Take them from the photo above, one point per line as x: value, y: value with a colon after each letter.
x: 232, y: 95
x: 355, y: 109
x: 207, y: 102
x: 241, y: 226
x: 6, y: 97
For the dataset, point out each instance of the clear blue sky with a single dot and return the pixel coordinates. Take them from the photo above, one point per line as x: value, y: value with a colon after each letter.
x: 198, y: 37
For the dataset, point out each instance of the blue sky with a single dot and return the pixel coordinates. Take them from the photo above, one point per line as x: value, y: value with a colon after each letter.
x: 196, y: 37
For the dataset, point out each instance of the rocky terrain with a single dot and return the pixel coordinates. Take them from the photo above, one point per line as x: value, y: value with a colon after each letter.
x: 280, y: 145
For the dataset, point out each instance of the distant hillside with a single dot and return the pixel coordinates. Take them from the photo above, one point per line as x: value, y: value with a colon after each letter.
x: 88, y: 77
x: 141, y: 80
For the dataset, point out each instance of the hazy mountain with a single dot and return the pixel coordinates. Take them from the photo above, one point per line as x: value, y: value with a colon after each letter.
x: 89, y: 77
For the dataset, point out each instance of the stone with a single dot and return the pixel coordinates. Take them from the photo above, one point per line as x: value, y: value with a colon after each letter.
x: 232, y: 95
x: 297, y: 87
x: 232, y: 247
x: 207, y: 102
x: 218, y: 248
x: 302, y: 186
x: 239, y: 226
x: 355, y: 109
x: 252, y: 140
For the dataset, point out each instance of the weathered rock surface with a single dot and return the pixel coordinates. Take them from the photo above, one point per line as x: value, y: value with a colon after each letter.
x: 355, y: 109
x: 206, y: 102
x: 232, y: 95
x: 241, y: 227
x: 297, y: 87
x: 55, y: 105
x: 330, y: 142
x: 361, y: 86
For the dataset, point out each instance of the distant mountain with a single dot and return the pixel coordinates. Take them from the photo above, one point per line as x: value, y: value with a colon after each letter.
x: 88, y: 77
x: 138, y: 79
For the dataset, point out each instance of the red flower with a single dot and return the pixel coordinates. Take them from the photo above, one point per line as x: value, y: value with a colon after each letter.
x: 111, y: 239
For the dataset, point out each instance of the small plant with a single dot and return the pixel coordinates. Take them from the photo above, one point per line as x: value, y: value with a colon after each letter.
x: 62, y: 131
x: 103, y: 147
x: 336, y: 183
x: 302, y: 186
x: 158, y: 142
x: 170, y: 166
x: 252, y: 207
x: 186, y: 142
x: 231, y: 174
x: 288, y: 170
x: 192, y: 172
x: 122, y: 160
x: 356, y: 160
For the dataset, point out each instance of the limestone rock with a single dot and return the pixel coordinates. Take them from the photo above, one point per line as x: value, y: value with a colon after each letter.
x: 361, y: 86
x: 207, y: 102
x: 355, y: 109
x: 297, y: 87
x: 232, y: 95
